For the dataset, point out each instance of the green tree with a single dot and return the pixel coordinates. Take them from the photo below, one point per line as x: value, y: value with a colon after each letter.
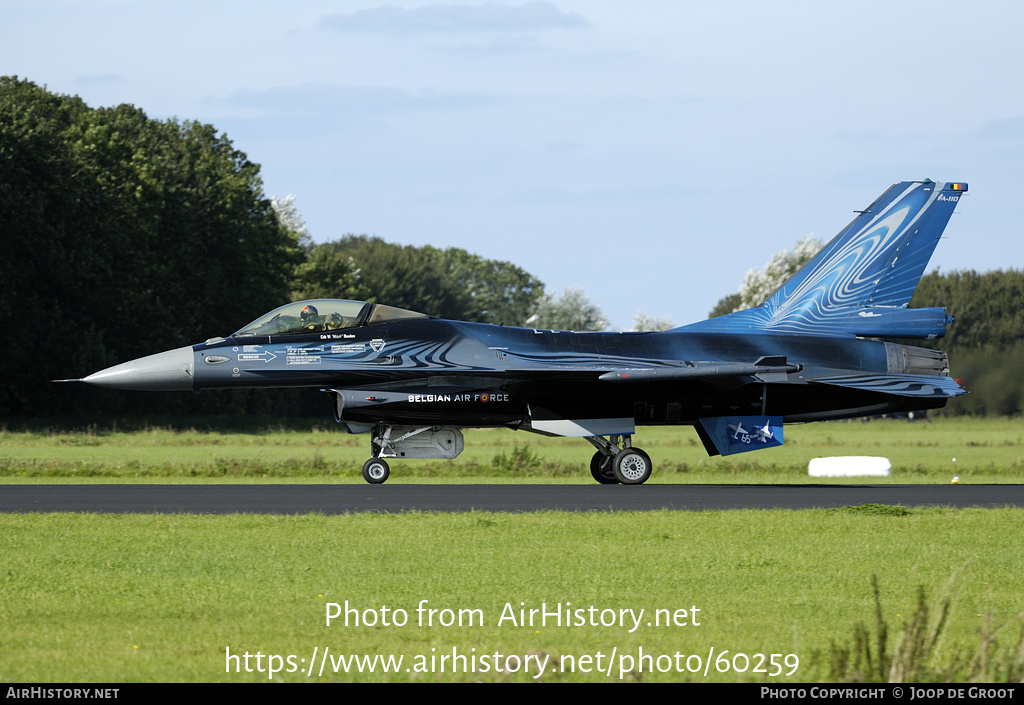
x: 328, y: 273
x: 985, y: 343
x: 988, y: 308
x: 493, y: 291
x: 727, y: 304
x: 759, y: 284
x: 291, y: 219
x: 123, y: 236
x: 450, y: 283
x: 993, y: 377
x: 658, y: 323
x: 570, y: 311
x: 402, y: 276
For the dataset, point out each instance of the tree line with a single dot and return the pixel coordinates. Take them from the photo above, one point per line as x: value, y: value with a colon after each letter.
x: 985, y: 342
x: 123, y: 236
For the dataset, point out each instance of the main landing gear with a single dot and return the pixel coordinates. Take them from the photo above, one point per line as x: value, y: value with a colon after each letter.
x: 376, y: 471
x: 616, y: 461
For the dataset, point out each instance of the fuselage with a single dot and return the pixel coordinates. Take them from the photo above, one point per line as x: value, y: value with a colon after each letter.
x: 470, y: 374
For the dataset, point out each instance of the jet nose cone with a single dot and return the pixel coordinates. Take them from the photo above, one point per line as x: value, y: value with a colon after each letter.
x: 166, y: 371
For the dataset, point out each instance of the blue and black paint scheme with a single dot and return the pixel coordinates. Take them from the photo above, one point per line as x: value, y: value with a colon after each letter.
x: 818, y: 348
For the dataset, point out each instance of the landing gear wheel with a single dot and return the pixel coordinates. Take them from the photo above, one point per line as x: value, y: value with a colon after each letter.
x: 376, y: 471
x: 601, y: 469
x: 632, y: 466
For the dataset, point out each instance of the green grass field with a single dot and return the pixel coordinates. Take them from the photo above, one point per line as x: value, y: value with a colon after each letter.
x: 123, y: 598
x: 161, y: 598
x: 986, y: 450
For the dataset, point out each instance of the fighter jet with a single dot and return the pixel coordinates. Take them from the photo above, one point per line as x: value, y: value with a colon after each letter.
x: 820, y: 347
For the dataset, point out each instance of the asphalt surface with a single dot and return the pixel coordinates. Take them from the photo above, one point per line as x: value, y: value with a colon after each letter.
x: 343, y: 499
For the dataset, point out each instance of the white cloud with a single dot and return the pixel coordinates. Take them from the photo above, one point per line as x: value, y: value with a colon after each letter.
x: 530, y: 17
x: 97, y: 79
x: 311, y: 99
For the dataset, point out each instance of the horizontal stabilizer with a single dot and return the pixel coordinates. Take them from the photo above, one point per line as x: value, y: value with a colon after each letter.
x: 740, y: 434
x: 900, y: 385
x: 888, y: 322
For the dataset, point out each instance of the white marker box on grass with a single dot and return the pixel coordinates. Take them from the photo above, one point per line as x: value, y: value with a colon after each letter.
x: 850, y: 466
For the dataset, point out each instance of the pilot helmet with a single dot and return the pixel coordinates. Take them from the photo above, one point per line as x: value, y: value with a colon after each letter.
x: 308, y: 312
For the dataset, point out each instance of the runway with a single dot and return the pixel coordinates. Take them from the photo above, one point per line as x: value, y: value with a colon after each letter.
x: 344, y: 499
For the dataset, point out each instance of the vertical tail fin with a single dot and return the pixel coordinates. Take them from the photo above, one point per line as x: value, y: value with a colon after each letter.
x: 861, y: 282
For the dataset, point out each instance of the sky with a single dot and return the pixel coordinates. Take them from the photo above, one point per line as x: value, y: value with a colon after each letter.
x: 648, y: 152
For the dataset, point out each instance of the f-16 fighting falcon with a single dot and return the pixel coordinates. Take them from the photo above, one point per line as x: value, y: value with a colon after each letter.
x: 818, y: 348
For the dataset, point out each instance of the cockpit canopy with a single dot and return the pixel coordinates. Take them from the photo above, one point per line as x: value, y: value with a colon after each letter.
x: 318, y: 315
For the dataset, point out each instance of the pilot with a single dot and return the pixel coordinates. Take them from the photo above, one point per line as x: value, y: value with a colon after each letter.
x: 311, y: 320
x: 334, y: 321
x: 310, y: 317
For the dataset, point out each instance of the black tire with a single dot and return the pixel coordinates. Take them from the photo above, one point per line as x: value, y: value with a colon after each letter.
x: 632, y: 466
x: 601, y: 469
x: 376, y: 471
